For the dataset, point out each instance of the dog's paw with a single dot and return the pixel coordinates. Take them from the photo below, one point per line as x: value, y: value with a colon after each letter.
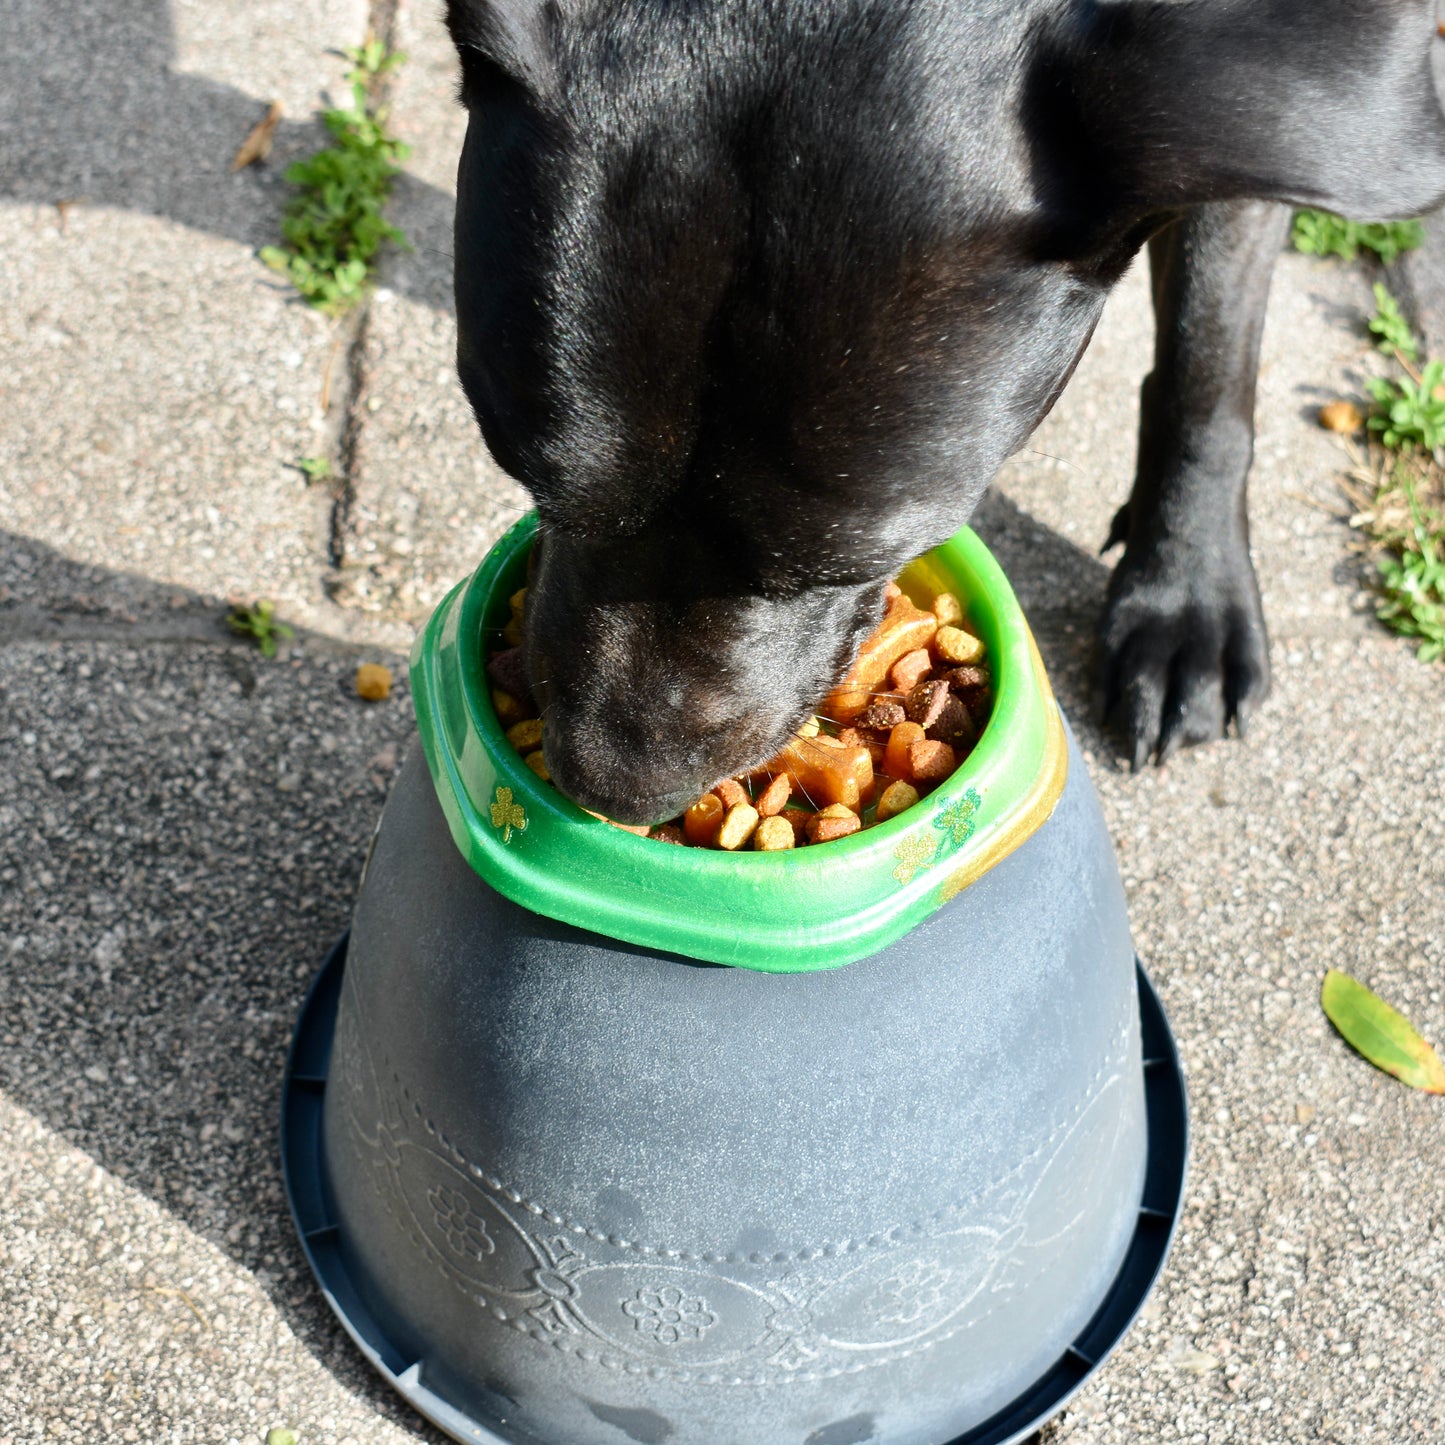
x: 1183, y: 650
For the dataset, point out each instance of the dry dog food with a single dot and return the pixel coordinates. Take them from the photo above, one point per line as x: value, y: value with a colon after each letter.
x: 907, y: 714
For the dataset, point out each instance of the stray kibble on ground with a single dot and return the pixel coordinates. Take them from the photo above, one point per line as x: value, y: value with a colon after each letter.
x: 373, y: 681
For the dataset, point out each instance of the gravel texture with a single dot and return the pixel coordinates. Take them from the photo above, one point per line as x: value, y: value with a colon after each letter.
x: 182, y: 822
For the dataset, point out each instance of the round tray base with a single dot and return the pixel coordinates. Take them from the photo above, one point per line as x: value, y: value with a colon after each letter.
x: 301, y: 1155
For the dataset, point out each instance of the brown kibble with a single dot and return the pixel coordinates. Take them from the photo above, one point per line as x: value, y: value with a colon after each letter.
x: 881, y: 715
x: 737, y: 826
x: 538, y: 765
x: 669, y: 833
x: 930, y: 761
x: 526, y: 735
x: 508, y: 671
x: 731, y: 792
x: 703, y: 819
x: 967, y: 679
x: 774, y: 835
x: 948, y: 609
x: 953, y: 644
x: 834, y: 821
x: 897, y: 797
x: 926, y: 702
x: 910, y: 669
x: 774, y: 798
x: 895, y: 756
x: 1341, y: 416
x: 797, y: 819
x: 954, y: 724
x: 373, y: 682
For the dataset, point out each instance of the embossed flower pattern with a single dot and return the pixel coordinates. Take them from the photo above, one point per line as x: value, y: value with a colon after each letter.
x: 909, y: 1294
x: 668, y: 1316
x: 465, y: 1232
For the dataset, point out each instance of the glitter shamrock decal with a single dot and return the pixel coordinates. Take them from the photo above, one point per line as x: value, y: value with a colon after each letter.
x: 959, y: 820
x: 913, y: 854
x: 507, y: 815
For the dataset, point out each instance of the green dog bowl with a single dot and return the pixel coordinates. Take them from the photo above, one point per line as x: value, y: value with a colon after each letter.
x: 812, y: 908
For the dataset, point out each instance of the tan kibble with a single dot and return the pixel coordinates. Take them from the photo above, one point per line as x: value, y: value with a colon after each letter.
x: 669, y: 833
x: 810, y: 729
x: 538, y: 765
x: 1341, y: 416
x: 954, y: 645
x: 526, y: 735
x: 373, y: 682
x: 897, y: 797
x: 737, y: 826
x: 948, y: 609
x: 512, y: 632
x: 507, y: 708
x: 773, y: 835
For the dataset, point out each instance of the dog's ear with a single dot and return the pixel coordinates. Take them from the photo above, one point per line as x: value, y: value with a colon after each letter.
x: 504, y: 43
x: 1151, y: 105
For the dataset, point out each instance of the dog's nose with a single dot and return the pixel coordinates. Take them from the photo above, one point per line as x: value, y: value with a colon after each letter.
x: 621, y: 782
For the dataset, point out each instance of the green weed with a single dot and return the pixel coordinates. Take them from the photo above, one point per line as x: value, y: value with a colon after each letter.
x: 1412, y: 569
x: 335, y: 227
x: 1394, y: 332
x: 1320, y: 233
x: 259, y: 623
x: 314, y: 469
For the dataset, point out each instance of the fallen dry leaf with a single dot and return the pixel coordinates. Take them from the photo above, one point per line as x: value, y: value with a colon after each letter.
x: 257, y: 145
x: 1386, y: 1038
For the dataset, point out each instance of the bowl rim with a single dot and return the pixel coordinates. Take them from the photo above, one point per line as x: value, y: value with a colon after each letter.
x: 779, y: 912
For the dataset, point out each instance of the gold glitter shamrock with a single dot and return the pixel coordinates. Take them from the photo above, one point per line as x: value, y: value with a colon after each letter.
x: 913, y: 854
x: 960, y: 819
x: 507, y: 815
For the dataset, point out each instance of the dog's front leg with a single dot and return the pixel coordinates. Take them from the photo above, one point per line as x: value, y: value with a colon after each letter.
x: 1183, y: 639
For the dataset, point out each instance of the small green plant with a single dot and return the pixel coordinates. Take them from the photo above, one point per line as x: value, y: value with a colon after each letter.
x: 335, y: 227
x: 259, y: 623
x: 1411, y: 411
x: 1412, y: 574
x: 1394, y: 332
x: 1321, y: 233
x: 314, y: 469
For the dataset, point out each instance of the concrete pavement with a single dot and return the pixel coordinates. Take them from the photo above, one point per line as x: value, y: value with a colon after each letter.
x: 182, y: 822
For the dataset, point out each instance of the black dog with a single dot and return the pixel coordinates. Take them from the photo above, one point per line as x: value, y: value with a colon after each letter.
x: 755, y: 296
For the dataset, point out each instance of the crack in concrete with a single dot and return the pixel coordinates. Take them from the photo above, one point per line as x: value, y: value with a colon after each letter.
x: 345, y: 439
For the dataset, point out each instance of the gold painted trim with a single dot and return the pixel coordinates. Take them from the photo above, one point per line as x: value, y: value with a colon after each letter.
x: 1037, y: 805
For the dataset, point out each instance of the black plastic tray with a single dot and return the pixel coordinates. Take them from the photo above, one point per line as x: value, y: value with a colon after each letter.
x: 1165, y: 1170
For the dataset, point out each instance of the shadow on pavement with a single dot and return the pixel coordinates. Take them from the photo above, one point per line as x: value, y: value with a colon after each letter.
x: 96, y: 114
x: 182, y: 828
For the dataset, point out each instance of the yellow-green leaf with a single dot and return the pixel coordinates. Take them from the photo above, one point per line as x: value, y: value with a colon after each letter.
x: 1371, y: 1027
